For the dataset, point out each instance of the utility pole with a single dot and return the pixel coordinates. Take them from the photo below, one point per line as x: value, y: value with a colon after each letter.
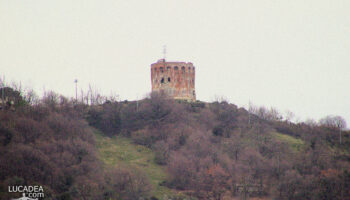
x: 76, y: 90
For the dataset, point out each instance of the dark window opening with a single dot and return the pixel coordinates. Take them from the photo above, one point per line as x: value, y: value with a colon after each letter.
x: 176, y: 68
x: 168, y: 79
x: 161, y: 69
x: 162, y: 81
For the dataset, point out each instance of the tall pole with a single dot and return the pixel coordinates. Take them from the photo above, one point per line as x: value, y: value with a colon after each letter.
x: 76, y: 90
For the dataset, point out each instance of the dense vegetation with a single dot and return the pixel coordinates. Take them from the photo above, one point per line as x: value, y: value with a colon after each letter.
x: 52, y: 145
x: 208, y: 150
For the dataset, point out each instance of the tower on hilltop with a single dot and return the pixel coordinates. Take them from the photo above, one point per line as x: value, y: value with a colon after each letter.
x: 176, y: 79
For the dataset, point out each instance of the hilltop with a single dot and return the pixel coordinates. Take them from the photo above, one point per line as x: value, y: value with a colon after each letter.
x: 158, y: 148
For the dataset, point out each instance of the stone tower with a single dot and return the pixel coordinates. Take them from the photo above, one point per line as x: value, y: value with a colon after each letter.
x: 176, y: 79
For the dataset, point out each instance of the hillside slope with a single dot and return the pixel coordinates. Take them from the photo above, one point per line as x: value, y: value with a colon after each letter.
x: 158, y: 146
x: 121, y: 152
x: 212, y: 150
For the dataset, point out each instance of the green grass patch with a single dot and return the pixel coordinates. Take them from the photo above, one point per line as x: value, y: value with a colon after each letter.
x: 122, y: 152
x: 296, y: 144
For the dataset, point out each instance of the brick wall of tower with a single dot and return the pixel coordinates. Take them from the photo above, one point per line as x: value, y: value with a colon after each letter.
x: 176, y: 79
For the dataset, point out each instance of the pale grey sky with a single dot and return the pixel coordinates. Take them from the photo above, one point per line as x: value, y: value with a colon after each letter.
x: 293, y: 55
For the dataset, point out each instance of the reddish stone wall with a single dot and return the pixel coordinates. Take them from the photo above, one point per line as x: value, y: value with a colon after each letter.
x: 176, y: 79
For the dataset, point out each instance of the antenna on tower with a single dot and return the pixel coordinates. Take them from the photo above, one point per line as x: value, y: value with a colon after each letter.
x: 164, y: 52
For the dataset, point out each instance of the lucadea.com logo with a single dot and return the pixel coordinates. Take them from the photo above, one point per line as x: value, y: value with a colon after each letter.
x: 28, y: 192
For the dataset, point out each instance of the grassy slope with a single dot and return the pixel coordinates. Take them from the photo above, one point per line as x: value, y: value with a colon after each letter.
x: 295, y: 143
x: 121, y: 152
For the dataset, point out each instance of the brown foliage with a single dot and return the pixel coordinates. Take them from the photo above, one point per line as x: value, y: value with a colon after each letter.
x: 208, y: 150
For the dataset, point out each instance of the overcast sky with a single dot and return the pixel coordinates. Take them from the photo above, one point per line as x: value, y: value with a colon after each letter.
x: 293, y: 55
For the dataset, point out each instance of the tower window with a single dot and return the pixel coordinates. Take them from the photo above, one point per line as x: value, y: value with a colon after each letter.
x: 176, y: 68
x: 161, y: 69
x: 168, y: 79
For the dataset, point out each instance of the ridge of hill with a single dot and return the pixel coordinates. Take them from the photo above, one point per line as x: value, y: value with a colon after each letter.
x: 158, y: 146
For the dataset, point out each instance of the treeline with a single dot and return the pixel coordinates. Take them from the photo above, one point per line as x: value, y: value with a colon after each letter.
x: 50, y: 143
x: 210, y: 150
x: 213, y: 150
x: 329, y: 128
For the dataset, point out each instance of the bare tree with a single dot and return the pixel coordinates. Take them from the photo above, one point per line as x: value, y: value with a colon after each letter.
x: 95, y: 96
x: 50, y: 99
x: 311, y: 122
x: 341, y: 124
x: 289, y: 115
x: 271, y: 114
x: 274, y: 114
x: 334, y: 122
x: 31, y: 97
x: 327, y: 121
x: 17, y: 86
x: 220, y: 99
